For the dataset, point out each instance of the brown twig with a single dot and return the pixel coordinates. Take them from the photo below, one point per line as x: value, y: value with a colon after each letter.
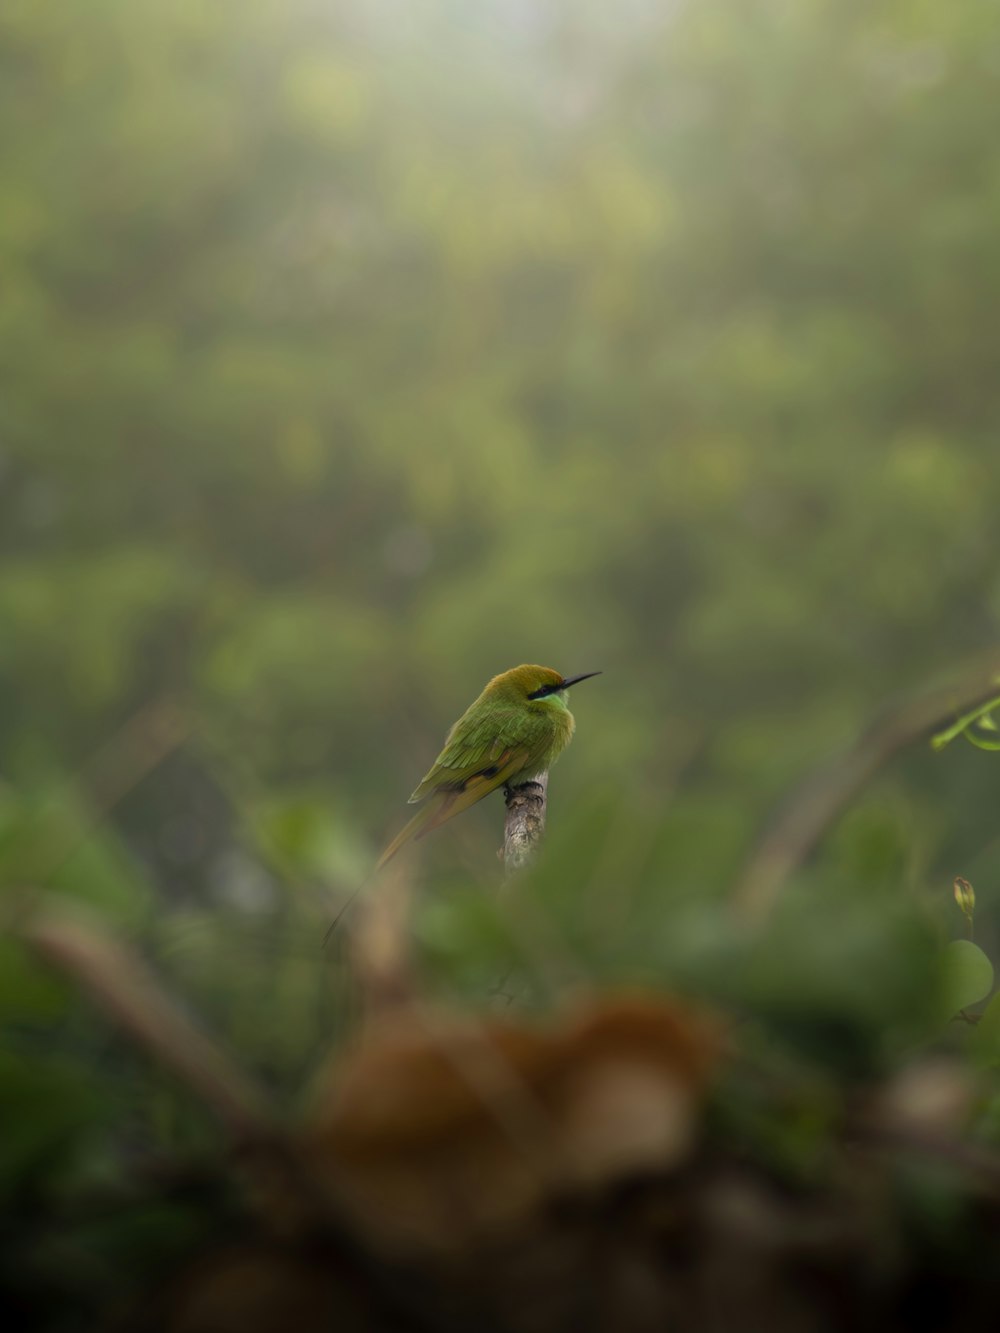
x: 381, y: 951
x: 818, y: 801
x: 119, y: 981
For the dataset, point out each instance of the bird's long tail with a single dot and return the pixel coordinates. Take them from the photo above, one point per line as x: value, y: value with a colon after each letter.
x: 421, y: 823
x: 435, y: 811
x: 418, y: 825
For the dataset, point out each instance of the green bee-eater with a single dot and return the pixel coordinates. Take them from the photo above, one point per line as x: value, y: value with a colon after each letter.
x: 514, y: 731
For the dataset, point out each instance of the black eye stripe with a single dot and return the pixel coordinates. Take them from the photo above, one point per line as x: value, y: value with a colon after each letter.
x: 543, y: 690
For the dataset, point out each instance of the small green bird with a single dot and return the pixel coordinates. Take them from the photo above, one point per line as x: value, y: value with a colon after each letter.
x: 514, y: 731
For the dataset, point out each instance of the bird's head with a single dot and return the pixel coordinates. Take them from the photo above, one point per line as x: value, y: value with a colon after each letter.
x: 532, y: 683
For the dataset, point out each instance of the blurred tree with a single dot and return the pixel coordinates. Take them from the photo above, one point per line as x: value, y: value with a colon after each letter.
x: 355, y: 351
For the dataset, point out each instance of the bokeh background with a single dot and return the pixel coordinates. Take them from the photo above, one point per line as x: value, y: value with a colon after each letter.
x: 356, y: 350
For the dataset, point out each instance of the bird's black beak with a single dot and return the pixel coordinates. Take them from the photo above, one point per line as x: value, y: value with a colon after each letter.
x: 575, y: 680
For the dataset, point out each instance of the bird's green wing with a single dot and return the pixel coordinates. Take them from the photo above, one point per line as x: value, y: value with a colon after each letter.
x: 474, y: 746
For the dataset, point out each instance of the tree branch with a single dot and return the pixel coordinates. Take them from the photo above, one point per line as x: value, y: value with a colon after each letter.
x: 524, y: 823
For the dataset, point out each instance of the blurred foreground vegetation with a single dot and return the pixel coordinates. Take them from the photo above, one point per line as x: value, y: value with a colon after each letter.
x: 355, y: 351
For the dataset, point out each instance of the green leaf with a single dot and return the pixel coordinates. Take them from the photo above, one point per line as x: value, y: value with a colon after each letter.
x: 961, y: 727
x: 966, y: 976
